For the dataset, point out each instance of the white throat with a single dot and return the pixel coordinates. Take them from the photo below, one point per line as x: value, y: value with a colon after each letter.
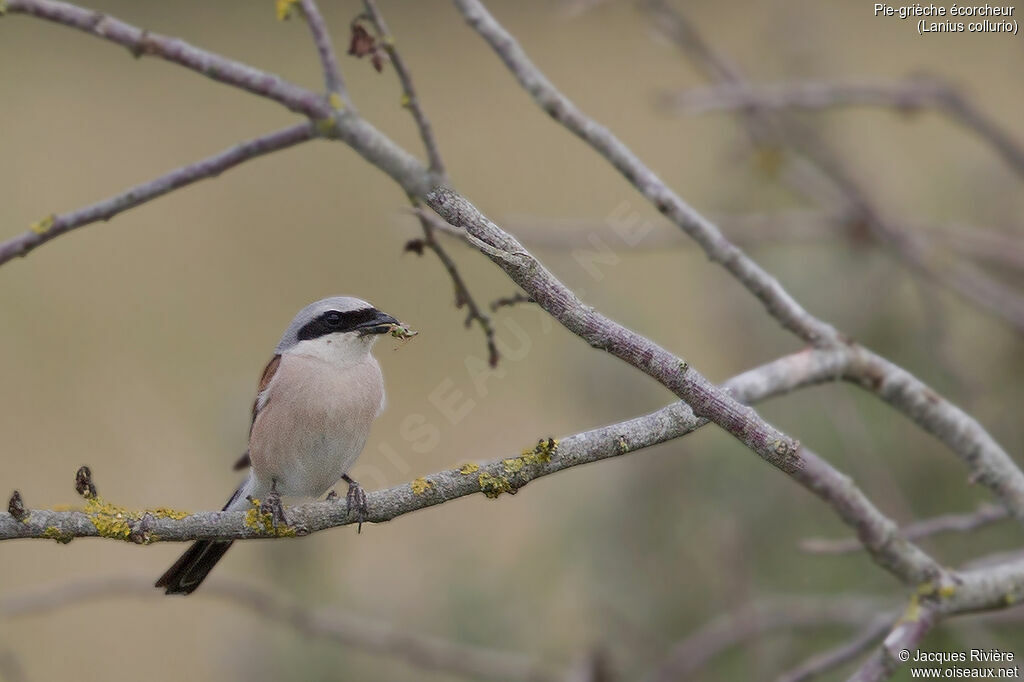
x: 340, y: 350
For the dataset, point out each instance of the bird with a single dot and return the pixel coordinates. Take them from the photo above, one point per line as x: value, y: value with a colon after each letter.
x: 315, y: 403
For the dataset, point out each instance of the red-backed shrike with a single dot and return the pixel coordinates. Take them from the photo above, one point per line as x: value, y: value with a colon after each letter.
x: 316, y: 400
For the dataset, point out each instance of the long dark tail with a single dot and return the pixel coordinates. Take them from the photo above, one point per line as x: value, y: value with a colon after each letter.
x: 189, y: 571
x: 192, y: 567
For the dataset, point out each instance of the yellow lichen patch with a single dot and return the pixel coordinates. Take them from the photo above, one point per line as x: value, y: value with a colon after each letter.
x: 285, y: 9
x: 336, y: 102
x: 166, y: 513
x: 493, y: 486
x: 421, y: 485
x: 947, y: 591
x: 43, y: 226
x: 405, y: 102
x: 541, y: 452
x: 110, y: 520
x: 259, y: 521
x: 470, y: 468
x: 263, y: 522
x: 514, y: 465
x: 57, y: 534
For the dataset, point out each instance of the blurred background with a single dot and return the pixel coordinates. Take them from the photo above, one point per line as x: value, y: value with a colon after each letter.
x: 134, y: 346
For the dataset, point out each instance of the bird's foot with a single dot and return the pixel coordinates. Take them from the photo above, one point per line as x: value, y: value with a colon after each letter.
x: 273, y: 506
x: 356, y: 501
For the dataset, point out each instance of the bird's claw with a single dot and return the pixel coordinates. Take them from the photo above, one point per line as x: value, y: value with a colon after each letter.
x: 355, y: 499
x: 273, y: 506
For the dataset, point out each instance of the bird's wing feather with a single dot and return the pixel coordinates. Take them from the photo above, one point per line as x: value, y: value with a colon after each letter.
x: 261, y: 401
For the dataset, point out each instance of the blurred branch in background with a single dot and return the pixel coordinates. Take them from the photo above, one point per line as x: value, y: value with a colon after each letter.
x: 940, y: 592
x: 947, y: 523
x: 779, y: 615
x: 755, y: 230
x: 913, y: 94
x: 347, y: 629
x: 816, y: 174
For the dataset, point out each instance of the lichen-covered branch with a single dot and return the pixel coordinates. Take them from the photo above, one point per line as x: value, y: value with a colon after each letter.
x: 422, y: 651
x: 99, y: 518
x: 55, y: 225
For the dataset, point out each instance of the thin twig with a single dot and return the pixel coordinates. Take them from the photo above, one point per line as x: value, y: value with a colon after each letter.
x: 333, y: 80
x: 410, y: 99
x: 348, y: 629
x: 56, y: 225
x: 463, y: 296
x: 985, y: 515
x: 509, y: 301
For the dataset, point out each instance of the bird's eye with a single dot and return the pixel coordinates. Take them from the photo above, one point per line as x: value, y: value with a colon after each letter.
x: 333, y: 318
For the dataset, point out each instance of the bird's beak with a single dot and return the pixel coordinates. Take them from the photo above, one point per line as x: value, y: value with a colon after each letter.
x: 382, y: 323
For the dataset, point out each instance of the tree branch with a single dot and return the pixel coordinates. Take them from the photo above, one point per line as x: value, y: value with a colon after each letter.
x: 422, y: 651
x: 141, y: 42
x: 56, y: 225
x: 101, y: 519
